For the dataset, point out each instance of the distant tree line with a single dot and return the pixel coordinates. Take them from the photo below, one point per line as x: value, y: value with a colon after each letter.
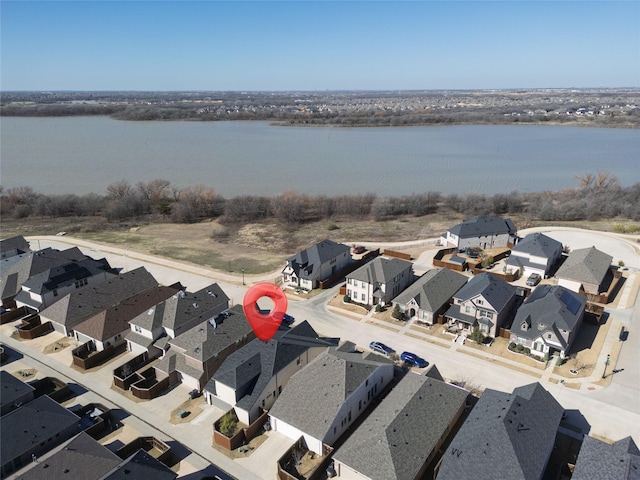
x: 597, y: 196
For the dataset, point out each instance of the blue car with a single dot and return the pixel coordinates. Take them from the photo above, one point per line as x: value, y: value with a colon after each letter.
x: 380, y: 347
x: 413, y: 359
x: 288, y: 319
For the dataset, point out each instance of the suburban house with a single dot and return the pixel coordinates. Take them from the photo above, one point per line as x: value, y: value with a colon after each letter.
x: 401, y: 438
x: 174, y: 316
x: 535, y: 253
x: 10, y: 247
x: 45, y: 288
x: 16, y: 270
x: 505, y: 436
x: 323, y: 400
x: 483, y: 232
x: 549, y: 320
x: 584, y: 271
x: 195, y: 355
x: 33, y: 429
x: 83, y: 458
x: 76, y: 307
x: 430, y: 295
x: 251, y: 379
x: 484, y: 302
x: 13, y: 392
x: 319, y: 262
x: 600, y: 460
x: 379, y: 281
x: 110, y: 326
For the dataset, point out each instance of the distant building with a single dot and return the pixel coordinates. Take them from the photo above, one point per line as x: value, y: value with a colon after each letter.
x: 483, y: 232
x: 12, y: 246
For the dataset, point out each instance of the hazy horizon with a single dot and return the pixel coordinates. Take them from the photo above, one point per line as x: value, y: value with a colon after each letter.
x: 300, y: 46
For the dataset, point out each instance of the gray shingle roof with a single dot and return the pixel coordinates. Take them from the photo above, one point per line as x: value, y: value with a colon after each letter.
x: 315, y: 394
x: 539, y: 245
x: 394, y: 442
x: 180, y: 310
x: 76, y: 307
x: 598, y: 460
x: 14, y: 271
x: 481, y: 226
x: 505, y: 436
x: 82, y: 458
x: 306, y: 264
x: 203, y: 342
x: 249, y: 369
x: 586, y: 265
x: 17, y: 243
x: 549, y: 307
x: 433, y: 289
x: 12, y: 388
x: 380, y: 270
x: 31, y: 424
x: 140, y: 466
x: 495, y: 290
x: 116, y: 319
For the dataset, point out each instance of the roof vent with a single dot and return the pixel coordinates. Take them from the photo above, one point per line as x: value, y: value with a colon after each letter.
x: 195, y: 305
x: 182, y: 294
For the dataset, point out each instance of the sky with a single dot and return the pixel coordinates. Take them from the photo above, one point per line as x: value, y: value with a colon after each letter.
x: 326, y: 45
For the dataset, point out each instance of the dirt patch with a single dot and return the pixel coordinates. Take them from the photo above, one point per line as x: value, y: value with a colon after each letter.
x: 25, y: 373
x: 57, y: 345
x: 191, y: 408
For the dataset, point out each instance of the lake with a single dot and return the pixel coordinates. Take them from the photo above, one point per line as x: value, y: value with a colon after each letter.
x: 84, y: 154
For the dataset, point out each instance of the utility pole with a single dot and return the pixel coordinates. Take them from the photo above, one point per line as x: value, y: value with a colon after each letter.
x: 243, y: 276
x: 606, y: 364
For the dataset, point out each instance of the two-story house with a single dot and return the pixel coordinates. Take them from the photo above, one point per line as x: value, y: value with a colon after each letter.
x: 430, y: 295
x: 535, y: 253
x: 484, y: 302
x: 251, y: 379
x: 177, y: 314
x: 379, y: 281
x: 109, y: 327
x: 319, y: 262
x: 45, y: 288
x: 10, y: 247
x: 483, y: 232
x: 323, y: 400
x: 549, y: 320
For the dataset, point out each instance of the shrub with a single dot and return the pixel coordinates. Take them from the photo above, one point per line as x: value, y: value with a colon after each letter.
x: 228, y: 424
x: 397, y: 313
x: 527, y: 350
x: 332, y: 226
x: 519, y: 348
x: 512, y: 346
x: 546, y: 357
x: 621, y: 263
x: 378, y: 308
x: 559, y: 362
x: 477, y: 336
x: 346, y: 299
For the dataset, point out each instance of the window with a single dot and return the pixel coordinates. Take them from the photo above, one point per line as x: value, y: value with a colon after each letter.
x: 467, y: 309
x: 55, y: 292
x: 137, y: 329
x: 349, y: 292
x: 364, y: 297
x: 348, y: 281
x: 479, y: 302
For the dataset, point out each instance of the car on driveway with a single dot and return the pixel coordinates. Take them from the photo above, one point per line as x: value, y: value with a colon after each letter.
x: 359, y: 249
x: 413, y: 360
x: 533, y: 280
x: 380, y: 347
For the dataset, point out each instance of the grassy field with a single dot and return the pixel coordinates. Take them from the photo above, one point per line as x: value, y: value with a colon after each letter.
x: 256, y: 247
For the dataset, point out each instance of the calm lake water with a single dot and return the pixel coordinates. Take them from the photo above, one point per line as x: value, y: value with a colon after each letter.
x: 84, y: 154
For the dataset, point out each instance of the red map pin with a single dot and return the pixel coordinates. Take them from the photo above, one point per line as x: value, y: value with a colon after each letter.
x: 264, y: 325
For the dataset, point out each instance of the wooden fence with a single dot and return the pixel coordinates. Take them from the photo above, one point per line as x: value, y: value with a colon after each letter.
x: 33, y: 328
x: 393, y: 253
x: 154, y: 447
x: 319, y: 472
x: 86, y: 356
x: 242, y: 436
x: 125, y: 374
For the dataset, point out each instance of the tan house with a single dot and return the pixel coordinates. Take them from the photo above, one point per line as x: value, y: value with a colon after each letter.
x: 585, y: 270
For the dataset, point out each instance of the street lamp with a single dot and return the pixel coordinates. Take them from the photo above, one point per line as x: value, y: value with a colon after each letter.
x: 606, y: 364
x: 243, y: 276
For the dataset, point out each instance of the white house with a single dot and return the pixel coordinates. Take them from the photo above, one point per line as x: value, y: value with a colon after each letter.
x: 319, y: 262
x: 324, y: 399
x: 379, y: 281
x: 535, y: 253
x: 483, y: 232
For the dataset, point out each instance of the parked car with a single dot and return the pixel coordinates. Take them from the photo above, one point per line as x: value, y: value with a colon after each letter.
x: 533, y: 280
x: 359, y: 249
x: 380, y: 347
x: 288, y: 319
x: 414, y: 360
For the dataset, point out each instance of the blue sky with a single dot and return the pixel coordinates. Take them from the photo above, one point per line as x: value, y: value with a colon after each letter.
x: 329, y: 45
